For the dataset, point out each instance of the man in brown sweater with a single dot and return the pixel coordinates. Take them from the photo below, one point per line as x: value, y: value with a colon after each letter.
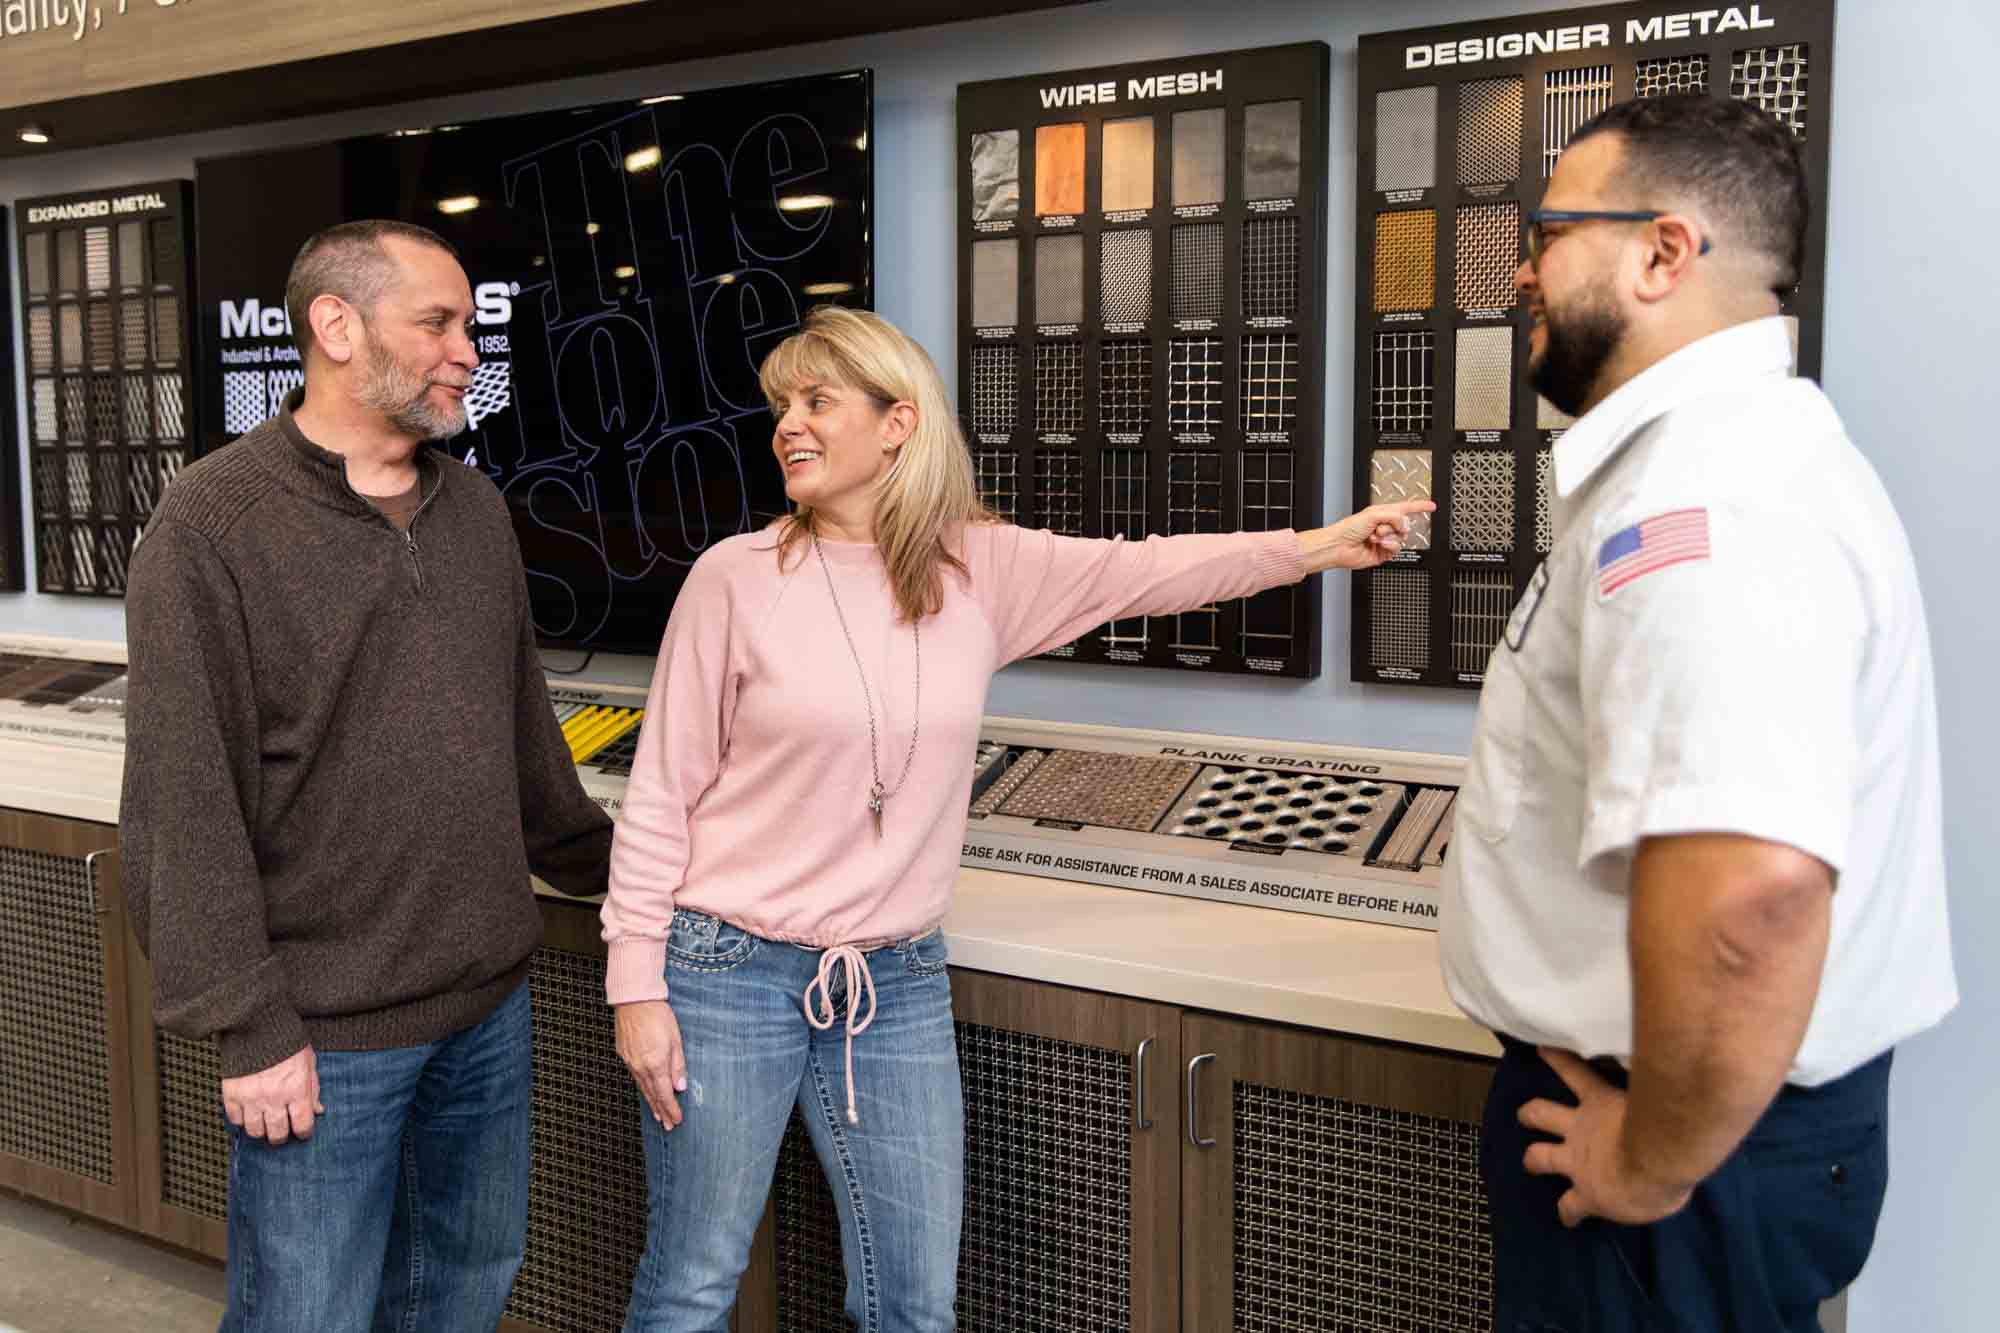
x: 341, y: 767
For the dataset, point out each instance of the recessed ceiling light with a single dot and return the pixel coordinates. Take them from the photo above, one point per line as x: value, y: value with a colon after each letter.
x: 463, y: 203
x: 827, y: 288
x: 624, y: 271
x: 591, y: 229
x: 642, y: 160
x: 663, y: 97
x: 799, y: 203
x: 726, y: 278
x: 33, y: 134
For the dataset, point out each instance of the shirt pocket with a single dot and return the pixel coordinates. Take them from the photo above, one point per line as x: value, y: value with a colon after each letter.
x: 1491, y: 797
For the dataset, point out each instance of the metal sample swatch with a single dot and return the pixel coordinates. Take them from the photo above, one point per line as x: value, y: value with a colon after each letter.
x: 1399, y: 628
x: 1489, y: 130
x: 1569, y: 98
x: 74, y: 419
x: 1270, y: 267
x: 1022, y: 769
x: 134, y: 339
x: 97, y: 258
x: 1197, y: 271
x: 69, y: 261
x: 1194, y: 384
x: 167, y: 329
x: 1059, y: 279
x: 1673, y: 74
x: 1194, y: 491
x: 995, y: 384
x: 41, y: 340
x: 1295, y: 811
x: 1489, y: 251
x: 1126, y: 274
x: 1125, y: 791
x: 38, y: 263
x: 1405, y: 387
x: 1059, y: 491
x: 1484, y: 394
x: 996, y: 176
x: 1773, y: 78
x: 1406, y: 139
x: 1058, y: 387
x: 1198, y: 140
x: 1123, y: 506
x: 131, y: 254
x: 1482, y: 500
x: 101, y: 341
x: 1125, y: 386
x: 44, y: 395
x: 996, y: 284
x: 1416, y: 830
x: 994, y: 471
x: 1058, y: 169
x: 1271, y: 150
x: 1550, y: 417
x: 1545, y: 483
x: 1405, y: 260
x: 1269, y: 399
x: 1396, y: 475
x: 1128, y: 164
x: 1480, y: 601
x: 70, y: 320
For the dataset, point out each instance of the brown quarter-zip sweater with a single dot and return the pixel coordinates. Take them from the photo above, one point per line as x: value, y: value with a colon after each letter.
x: 340, y: 761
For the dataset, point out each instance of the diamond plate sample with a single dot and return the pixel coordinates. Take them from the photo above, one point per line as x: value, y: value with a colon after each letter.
x: 996, y: 284
x: 1489, y: 250
x: 995, y: 385
x: 1489, y: 130
x: 1480, y: 601
x: 1270, y: 150
x: 1485, y: 379
x: 1405, y: 260
x: 1059, y: 497
x: 1125, y: 791
x: 1058, y: 169
x: 1198, y: 140
x: 1059, y: 280
x: 1058, y: 387
x: 1125, y: 386
x: 1197, y: 271
x: 1545, y: 483
x: 1396, y: 475
x: 1399, y: 629
x: 1126, y: 271
x: 1405, y: 380
x: 996, y: 176
x: 1128, y: 164
x: 1269, y: 400
x: 1673, y: 74
x: 1406, y: 139
x: 1482, y: 500
x: 1270, y: 267
x: 1570, y: 97
x: 1194, y: 384
x: 1774, y: 79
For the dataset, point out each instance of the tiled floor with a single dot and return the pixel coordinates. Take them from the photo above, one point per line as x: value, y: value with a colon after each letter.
x: 62, y: 1274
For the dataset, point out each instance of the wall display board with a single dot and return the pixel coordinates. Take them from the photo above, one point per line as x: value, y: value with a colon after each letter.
x: 105, y: 284
x: 1460, y: 127
x: 1141, y: 294
x: 632, y: 263
x: 12, y: 576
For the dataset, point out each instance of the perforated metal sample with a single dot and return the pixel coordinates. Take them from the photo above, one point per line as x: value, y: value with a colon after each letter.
x: 1128, y: 164
x: 1194, y: 504
x: 1124, y: 496
x: 1352, y: 1216
x: 1270, y: 267
x: 1405, y: 260
x: 999, y: 485
x: 1482, y: 500
x: 194, y: 1144
x: 996, y: 176
x: 1128, y: 791
x: 1269, y: 400
x: 1484, y: 393
x: 1125, y: 386
x: 1569, y: 98
x: 996, y: 284
x: 97, y: 258
x: 1194, y: 384
x: 1058, y: 279
x: 1489, y: 250
x: 55, y: 1066
x: 995, y: 387
x: 1550, y: 417
x: 1403, y: 474
x: 1674, y: 74
x: 1271, y: 150
x: 1294, y: 811
x: 1197, y: 146
x: 1058, y: 387
x: 1059, y: 169
x: 1022, y: 769
x: 1059, y: 499
x: 1545, y: 482
x: 1126, y: 272
x: 131, y: 254
x: 1399, y: 628
x: 587, y: 1193
x: 1773, y: 78
x: 41, y: 340
x: 1480, y: 601
x: 1197, y: 259
x: 1405, y: 388
x: 243, y: 400
x: 1406, y: 138
x: 1489, y: 130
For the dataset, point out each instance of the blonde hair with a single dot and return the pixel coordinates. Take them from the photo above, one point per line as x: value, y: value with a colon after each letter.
x: 930, y: 492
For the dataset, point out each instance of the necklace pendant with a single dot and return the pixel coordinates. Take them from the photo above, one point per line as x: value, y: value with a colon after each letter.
x: 875, y: 806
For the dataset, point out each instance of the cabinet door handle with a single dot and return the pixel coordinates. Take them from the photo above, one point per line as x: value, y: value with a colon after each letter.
x: 1139, y: 1117
x: 1193, y: 1085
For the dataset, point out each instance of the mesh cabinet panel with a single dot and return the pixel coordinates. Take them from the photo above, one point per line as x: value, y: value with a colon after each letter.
x: 1350, y: 1216
x: 55, y: 1064
x: 194, y: 1144
x: 1058, y: 387
x: 1194, y: 384
x: 1269, y: 396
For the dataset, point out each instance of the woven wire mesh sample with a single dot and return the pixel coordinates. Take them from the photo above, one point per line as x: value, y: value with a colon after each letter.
x: 41, y: 339
x: 1059, y: 387
x: 1773, y: 78
x: 1197, y: 277
x: 1128, y: 164
x: 1569, y: 98
x: 1198, y: 140
x: 97, y: 258
x: 995, y: 387
x: 38, y: 263
x: 996, y: 175
x: 1270, y: 267
x: 999, y: 483
x: 587, y: 1190
x: 996, y: 284
x: 1406, y: 139
x: 1059, y: 169
x: 1545, y: 484
x: 1194, y: 504
x: 1271, y: 147
x: 194, y: 1144
x: 1058, y: 279
x: 1351, y: 1216
x: 1059, y: 491
x: 1269, y: 400
x: 1126, y: 274
x: 131, y: 254
x: 1489, y: 250
x: 1489, y: 130
x: 48, y: 484
x: 1480, y: 601
x: 1672, y: 74
x: 1405, y: 260
x: 1124, y: 386
x: 69, y: 261
x: 1399, y: 630
x: 1266, y: 495
x: 1484, y: 397
x: 1403, y: 474
x: 1405, y: 387
x: 1482, y: 500
x: 1122, y: 501
x: 1127, y: 791
x: 55, y: 1065
x: 1194, y: 384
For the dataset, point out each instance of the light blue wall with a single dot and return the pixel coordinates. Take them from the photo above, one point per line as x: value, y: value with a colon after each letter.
x: 1912, y: 279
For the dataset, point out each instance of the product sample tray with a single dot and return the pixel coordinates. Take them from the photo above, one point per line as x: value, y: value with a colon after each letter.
x: 59, y: 692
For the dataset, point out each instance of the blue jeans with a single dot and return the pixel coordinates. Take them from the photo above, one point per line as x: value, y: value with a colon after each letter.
x: 407, y: 1209
x: 898, y: 1175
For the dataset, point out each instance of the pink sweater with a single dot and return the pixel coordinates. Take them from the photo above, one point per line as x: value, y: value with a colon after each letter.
x: 749, y: 794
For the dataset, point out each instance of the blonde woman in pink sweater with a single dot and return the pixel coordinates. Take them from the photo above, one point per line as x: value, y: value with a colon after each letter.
x: 791, y: 832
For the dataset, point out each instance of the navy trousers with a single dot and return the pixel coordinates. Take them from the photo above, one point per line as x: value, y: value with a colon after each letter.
x: 1784, y: 1224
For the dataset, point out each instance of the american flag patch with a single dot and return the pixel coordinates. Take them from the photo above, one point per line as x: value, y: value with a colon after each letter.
x: 1667, y: 539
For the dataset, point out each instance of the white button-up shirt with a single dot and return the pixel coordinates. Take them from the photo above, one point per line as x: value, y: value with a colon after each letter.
x: 1726, y: 637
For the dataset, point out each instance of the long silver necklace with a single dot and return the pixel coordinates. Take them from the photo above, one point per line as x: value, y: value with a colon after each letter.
x: 877, y: 793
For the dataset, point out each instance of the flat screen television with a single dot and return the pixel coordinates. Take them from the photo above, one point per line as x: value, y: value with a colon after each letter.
x: 631, y: 262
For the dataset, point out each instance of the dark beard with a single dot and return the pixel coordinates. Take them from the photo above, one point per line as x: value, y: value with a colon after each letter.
x: 402, y: 395
x: 1575, y: 347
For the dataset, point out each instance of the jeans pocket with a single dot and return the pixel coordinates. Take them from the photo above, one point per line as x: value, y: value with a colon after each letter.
x: 704, y: 943
x: 925, y: 955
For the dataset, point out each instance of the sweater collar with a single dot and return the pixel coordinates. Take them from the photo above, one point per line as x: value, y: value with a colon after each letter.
x: 321, y: 474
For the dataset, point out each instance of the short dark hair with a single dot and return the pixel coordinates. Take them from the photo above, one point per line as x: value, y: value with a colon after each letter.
x: 348, y: 261
x: 1738, y: 163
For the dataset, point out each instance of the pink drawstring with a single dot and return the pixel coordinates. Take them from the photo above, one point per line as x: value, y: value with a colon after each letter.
x: 858, y: 979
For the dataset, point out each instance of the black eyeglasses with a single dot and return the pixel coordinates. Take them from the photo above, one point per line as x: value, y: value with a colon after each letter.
x: 1534, y: 241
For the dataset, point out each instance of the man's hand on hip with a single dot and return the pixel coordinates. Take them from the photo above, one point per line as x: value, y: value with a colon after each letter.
x: 1589, y: 1152
x: 278, y: 1103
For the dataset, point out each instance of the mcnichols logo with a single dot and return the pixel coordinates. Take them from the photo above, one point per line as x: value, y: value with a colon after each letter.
x: 493, y: 303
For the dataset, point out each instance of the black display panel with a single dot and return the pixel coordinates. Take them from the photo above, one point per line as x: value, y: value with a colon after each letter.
x: 12, y: 577
x: 1142, y: 322
x: 1460, y: 128
x: 632, y: 263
